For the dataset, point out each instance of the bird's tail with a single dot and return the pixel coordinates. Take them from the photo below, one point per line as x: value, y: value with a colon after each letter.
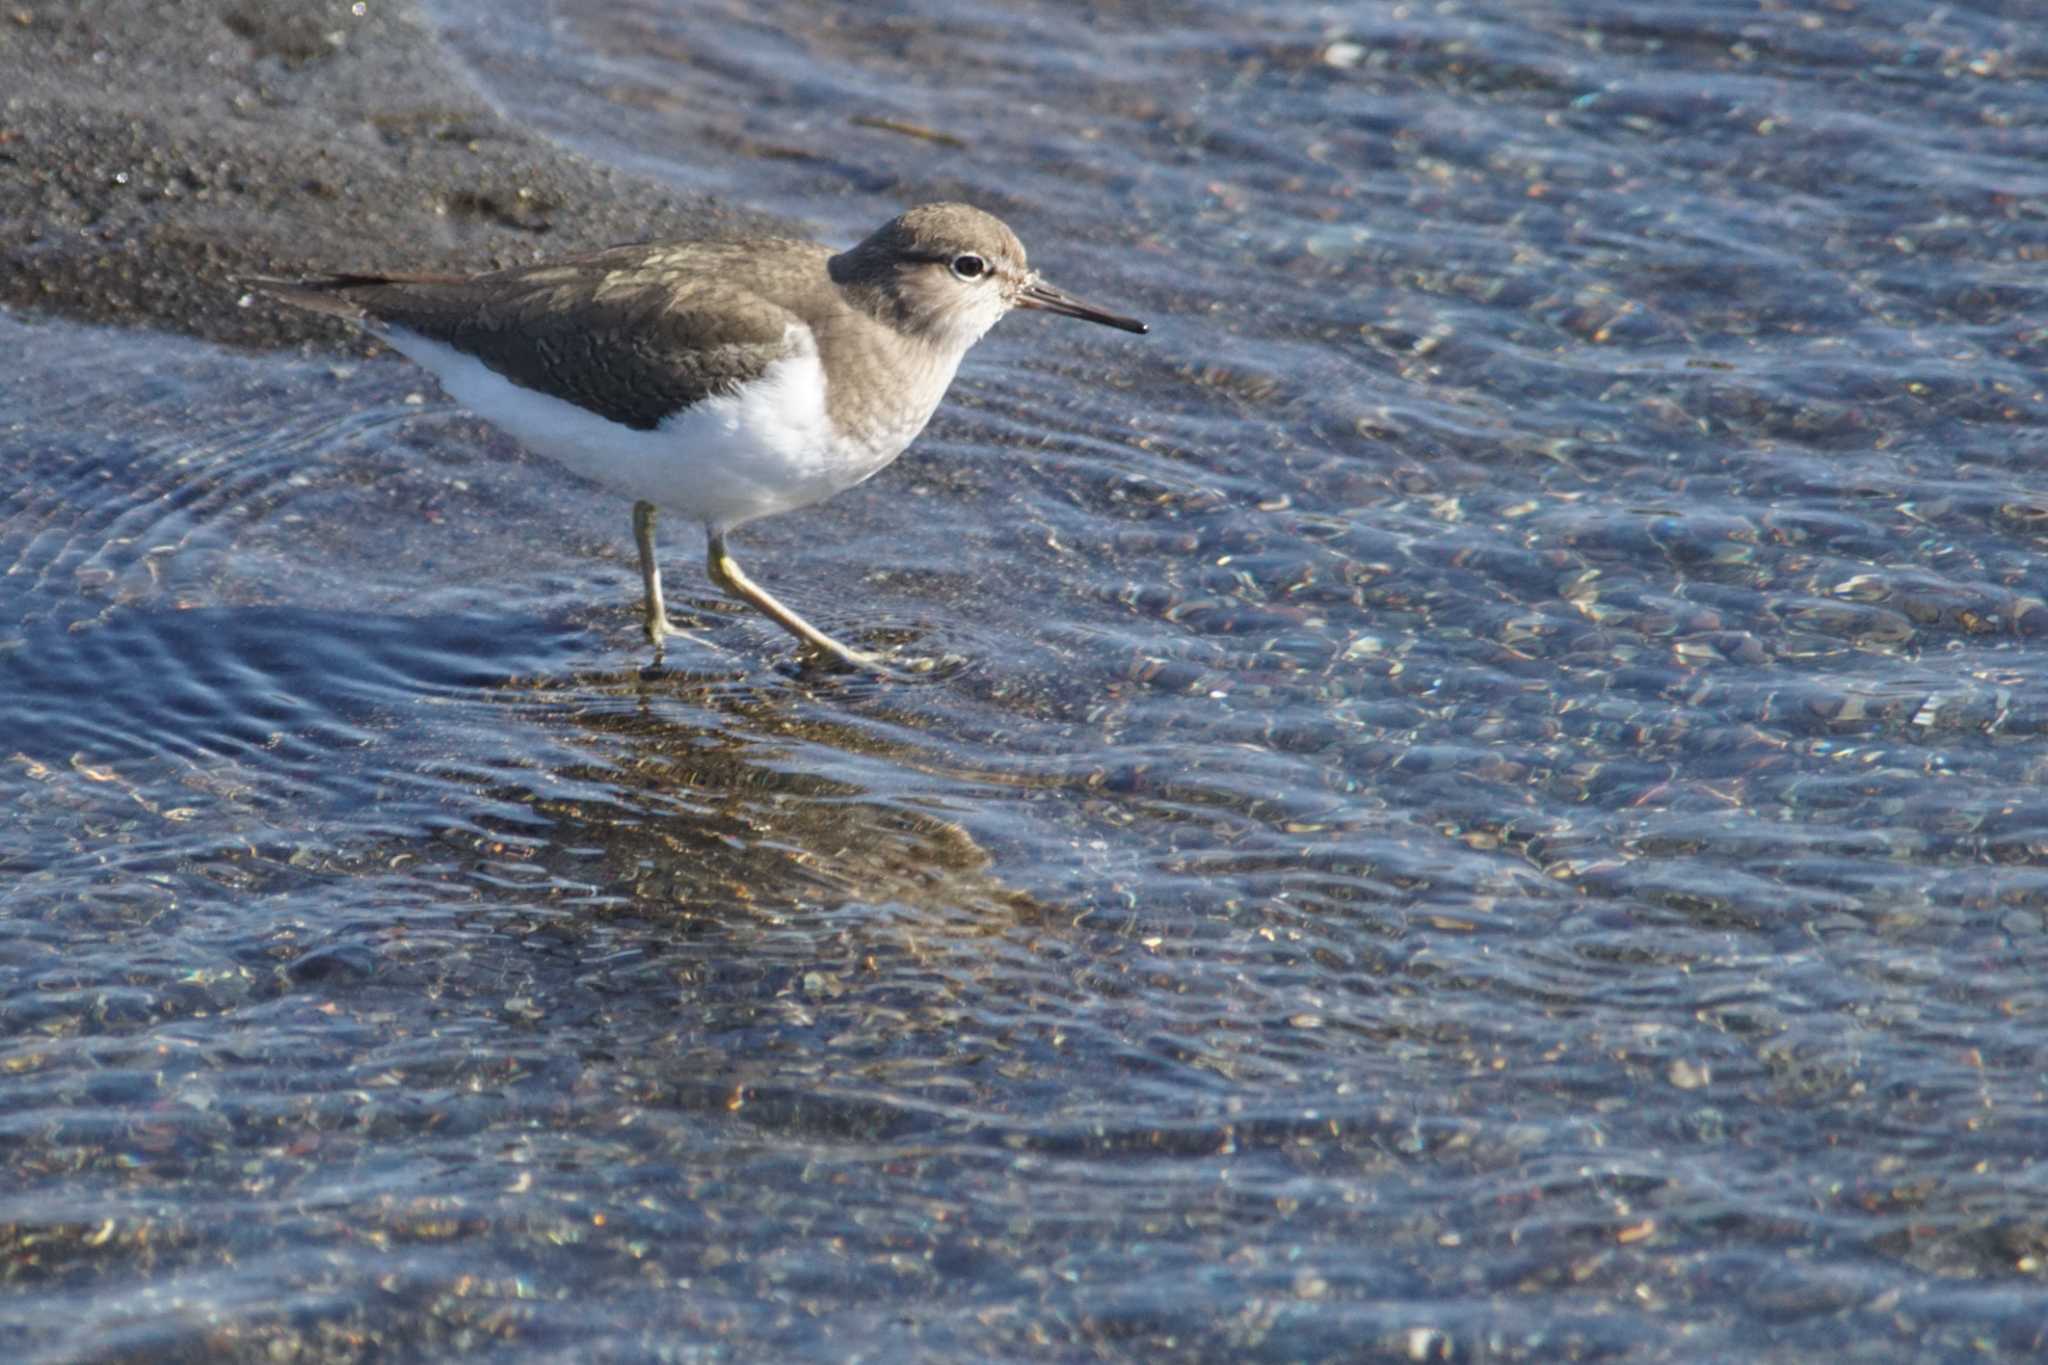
x: 329, y: 294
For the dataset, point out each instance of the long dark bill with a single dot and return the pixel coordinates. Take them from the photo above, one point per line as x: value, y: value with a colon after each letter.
x: 1039, y: 294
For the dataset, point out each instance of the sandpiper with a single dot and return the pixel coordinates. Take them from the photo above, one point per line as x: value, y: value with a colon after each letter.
x: 724, y: 380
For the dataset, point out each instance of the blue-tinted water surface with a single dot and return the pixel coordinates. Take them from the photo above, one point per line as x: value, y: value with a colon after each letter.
x: 1494, y: 810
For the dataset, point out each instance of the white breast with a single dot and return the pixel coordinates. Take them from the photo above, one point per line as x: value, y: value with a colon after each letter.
x: 767, y: 448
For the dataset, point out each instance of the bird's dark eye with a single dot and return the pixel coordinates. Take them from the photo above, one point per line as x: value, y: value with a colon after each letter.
x: 969, y: 266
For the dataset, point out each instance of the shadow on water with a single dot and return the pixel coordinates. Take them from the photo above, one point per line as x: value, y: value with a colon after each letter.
x: 714, y: 806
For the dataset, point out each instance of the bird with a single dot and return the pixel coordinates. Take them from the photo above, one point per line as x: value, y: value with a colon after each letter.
x: 723, y: 379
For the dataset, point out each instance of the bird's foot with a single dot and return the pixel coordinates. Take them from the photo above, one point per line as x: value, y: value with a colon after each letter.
x: 888, y: 667
x: 660, y: 629
x: 833, y: 657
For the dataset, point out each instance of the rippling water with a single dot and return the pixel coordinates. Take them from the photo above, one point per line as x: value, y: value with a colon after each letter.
x: 1495, y: 810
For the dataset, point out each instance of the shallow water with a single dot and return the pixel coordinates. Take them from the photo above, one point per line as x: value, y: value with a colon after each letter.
x: 1492, y: 811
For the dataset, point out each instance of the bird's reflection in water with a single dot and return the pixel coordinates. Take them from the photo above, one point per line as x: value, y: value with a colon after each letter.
x: 707, y: 797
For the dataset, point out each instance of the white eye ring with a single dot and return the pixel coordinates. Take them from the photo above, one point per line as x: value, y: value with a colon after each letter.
x: 968, y: 266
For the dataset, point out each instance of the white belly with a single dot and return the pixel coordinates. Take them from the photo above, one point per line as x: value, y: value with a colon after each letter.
x: 768, y: 448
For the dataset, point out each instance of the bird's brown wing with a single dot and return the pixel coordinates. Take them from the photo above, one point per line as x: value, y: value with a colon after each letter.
x: 629, y: 334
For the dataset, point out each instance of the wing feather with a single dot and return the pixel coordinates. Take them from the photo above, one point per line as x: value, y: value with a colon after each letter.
x: 628, y: 334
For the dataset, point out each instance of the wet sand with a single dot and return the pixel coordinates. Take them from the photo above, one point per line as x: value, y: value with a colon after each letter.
x: 150, y: 153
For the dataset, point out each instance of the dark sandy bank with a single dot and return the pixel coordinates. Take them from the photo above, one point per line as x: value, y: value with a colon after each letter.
x: 150, y: 151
